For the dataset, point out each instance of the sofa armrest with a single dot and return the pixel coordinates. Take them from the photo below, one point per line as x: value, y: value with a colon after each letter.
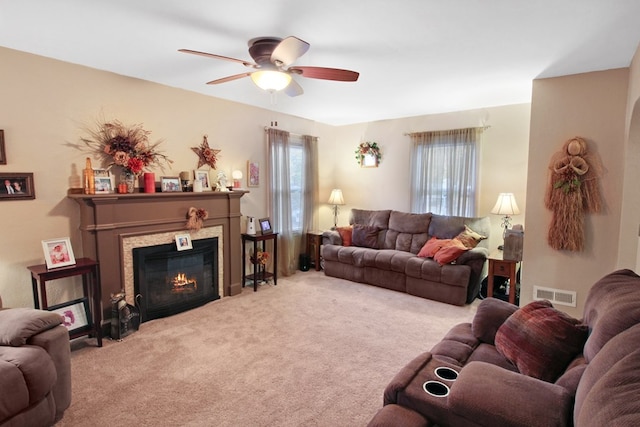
x: 490, y: 315
x: 404, y: 377
x: 476, y: 253
x: 489, y: 395
x: 331, y: 237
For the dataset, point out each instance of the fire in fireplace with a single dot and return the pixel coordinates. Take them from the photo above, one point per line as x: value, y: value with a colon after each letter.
x: 168, y: 281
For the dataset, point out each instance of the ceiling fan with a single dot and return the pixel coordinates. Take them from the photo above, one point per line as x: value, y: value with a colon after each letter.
x: 272, y: 56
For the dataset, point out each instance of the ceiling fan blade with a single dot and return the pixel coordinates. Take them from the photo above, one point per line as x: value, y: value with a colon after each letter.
x: 225, y: 58
x: 293, y: 89
x: 228, y: 78
x: 326, y: 73
x: 288, y: 50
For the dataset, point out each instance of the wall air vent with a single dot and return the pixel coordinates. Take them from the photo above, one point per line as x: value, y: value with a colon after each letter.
x: 556, y: 296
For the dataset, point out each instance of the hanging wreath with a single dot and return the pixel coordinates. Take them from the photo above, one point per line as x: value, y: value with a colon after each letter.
x: 368, y: 149
x: 571, y: 191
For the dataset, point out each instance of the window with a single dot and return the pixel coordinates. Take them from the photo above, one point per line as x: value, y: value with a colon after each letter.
x: 444, y: 171
x: 296, y: 178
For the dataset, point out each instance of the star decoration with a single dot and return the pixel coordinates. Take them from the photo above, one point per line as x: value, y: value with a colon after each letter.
x: 206, y: 154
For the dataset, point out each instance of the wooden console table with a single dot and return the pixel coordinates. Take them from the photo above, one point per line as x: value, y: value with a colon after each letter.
x: 263, y: 274
x: 85, y: 267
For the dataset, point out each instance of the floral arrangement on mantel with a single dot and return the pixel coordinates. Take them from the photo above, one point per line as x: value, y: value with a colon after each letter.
x: 368, y: 148
x: 260, y: 258
x: 117, y: 144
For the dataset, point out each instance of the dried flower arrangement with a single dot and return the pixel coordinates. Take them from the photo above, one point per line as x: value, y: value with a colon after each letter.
x: 124, y: 145
x: 195, y: 218
x: 260, y: 258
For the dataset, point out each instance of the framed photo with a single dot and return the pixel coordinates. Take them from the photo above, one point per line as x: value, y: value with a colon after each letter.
x: 3, y: 156
x: 103, y: 181
x: 265, y: 226
x: 58, y: 252
x: 75, y: 315
x: 170, y: 184
x: 203, y: 176
x: 183, y: 242
x: 16, y: 186
x: 253, y: 174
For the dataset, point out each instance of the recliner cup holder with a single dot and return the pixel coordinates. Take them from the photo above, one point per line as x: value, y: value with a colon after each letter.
x: 446, y: 373
x: 436, y: 388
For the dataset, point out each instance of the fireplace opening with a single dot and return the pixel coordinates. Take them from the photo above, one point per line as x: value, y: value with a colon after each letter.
x: 168, y: 281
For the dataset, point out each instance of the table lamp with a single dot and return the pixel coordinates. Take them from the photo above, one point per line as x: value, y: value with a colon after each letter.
x: 507, y: 206
x: 336, y: 199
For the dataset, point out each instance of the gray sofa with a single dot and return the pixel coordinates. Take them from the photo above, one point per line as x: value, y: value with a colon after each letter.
x: 530, y: 366
x: 35, y: 367
x: 390, y: 258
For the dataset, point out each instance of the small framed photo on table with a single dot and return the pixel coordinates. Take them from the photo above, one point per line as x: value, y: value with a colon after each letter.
x: 75, y: 315
x: 265, y: 226
x: 58, y: 252
x: 183, y: 242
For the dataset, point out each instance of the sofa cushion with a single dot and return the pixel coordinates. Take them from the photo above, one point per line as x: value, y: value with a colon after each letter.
x: 346, y: 234
x: 432, y: 246
x: 365, y: 236
x: 17, y: 325
x: 540, y: 340
x: 450, y: 252
x: 470, y: 238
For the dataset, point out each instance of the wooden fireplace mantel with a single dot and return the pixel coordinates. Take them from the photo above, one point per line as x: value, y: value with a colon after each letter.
x: 105, y: 219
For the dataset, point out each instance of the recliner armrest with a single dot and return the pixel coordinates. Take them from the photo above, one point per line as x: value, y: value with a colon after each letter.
x: 488, y: 395
x: 331, y: 237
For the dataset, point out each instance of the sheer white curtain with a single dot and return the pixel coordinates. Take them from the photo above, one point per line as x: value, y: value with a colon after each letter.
x: 444, y: 171
x: 286, y: 199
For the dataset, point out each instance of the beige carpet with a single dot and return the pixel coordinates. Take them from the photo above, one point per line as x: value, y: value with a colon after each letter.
x: 312, y: 351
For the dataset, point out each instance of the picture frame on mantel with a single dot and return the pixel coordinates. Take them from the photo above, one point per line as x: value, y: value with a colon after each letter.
x: 3, y: 155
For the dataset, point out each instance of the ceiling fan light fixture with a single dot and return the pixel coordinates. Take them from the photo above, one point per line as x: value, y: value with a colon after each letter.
x: 271, y: 80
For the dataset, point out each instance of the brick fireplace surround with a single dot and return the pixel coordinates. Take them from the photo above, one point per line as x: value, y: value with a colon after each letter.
x: 109, y: 223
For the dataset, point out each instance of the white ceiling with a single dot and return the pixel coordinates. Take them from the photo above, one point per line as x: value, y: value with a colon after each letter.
x: 415, y: 57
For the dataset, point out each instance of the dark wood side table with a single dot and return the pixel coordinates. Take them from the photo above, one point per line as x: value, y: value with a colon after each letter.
x: 259, y: 274
x: 314, y: 242
x: 86, y: 267
x: 498, y: 266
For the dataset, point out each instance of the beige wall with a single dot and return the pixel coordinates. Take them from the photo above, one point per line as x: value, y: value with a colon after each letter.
x: 46, y: 103
x: 591, y: 106
x: 503, y: 161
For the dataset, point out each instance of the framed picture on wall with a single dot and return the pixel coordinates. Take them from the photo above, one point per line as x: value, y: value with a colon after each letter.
x: 253, y: 174
x: 3, y: 156
x: 16, y: 186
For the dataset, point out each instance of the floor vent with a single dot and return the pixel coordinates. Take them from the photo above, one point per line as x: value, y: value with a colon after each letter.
x: 557, y: 296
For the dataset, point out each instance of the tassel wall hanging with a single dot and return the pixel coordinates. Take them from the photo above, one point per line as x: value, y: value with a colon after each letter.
x: 571, y: 192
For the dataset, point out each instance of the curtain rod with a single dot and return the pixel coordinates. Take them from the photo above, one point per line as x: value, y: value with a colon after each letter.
x: 266, y: 129
x: 445, y: 130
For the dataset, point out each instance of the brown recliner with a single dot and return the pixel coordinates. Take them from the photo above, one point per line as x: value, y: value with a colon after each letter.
x: 597, y: 386
x: 35, y: 367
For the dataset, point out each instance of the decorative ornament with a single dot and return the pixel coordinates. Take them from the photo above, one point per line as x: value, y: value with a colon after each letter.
x: 571, y: 191
x: 195, y: 218
x: 206, y: 154
x: 368, y: 149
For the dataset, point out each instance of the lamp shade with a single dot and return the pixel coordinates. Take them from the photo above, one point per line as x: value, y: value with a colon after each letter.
x: 270, y: 80
x: 336, y: 197
x: 236, y: 174
x: 506, y: 205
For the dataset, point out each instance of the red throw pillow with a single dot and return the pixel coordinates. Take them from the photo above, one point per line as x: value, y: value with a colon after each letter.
x: 540, y: 340
x: 432, y: 246
x: 345, y: 235
x: 450, y: 252
x: 365, y: 236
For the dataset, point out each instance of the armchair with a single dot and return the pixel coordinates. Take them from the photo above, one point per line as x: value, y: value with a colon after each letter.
x: 35, y: 367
